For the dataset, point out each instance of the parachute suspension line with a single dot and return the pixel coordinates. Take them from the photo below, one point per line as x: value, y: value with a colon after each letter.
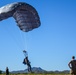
x: 23, y: 39
x: 10, y: 33
x: 25, y: 15
x: 26, y: 40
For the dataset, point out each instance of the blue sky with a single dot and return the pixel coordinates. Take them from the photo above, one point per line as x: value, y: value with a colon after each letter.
x: 50, y: 46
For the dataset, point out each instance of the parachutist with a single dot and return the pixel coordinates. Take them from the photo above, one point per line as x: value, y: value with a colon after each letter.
x: 26, y: 18
x: 26, y: 61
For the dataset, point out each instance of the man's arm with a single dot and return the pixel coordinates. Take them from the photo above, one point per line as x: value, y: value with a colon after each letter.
x: 69, y: 64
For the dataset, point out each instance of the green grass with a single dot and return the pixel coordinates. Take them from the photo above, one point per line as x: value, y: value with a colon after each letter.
x: 35, y: 74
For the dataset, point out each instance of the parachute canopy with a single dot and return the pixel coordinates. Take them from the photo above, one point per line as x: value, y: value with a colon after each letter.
x: 25, y: 15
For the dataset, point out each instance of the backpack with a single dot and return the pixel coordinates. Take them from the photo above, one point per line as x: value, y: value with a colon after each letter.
x: 24, y: 62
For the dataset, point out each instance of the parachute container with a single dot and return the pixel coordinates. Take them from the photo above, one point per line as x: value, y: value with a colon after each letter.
x: 25, y: 15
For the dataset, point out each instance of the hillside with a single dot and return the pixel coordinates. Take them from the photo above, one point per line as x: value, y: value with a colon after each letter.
x: 40, y: 70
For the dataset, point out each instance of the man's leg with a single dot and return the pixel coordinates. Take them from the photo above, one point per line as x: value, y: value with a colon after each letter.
x: 29, y: 67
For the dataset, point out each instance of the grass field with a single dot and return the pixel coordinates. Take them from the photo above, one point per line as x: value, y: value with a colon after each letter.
x: 35, y: 74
